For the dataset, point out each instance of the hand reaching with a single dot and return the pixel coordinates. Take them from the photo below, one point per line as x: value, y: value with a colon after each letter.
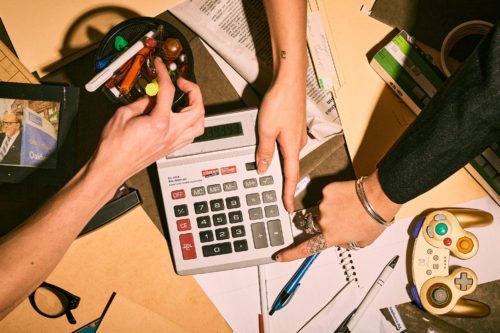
x: 282, y: 118
x: 134, y: 137
x: 343, y: 219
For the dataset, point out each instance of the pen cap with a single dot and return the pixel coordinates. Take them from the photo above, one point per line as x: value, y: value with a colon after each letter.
x: 132, y: 30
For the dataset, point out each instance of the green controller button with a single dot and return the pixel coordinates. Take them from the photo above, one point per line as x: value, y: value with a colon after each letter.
x: 441, y: 229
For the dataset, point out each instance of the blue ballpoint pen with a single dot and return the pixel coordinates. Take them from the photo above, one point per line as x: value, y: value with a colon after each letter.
x: 291, y: 287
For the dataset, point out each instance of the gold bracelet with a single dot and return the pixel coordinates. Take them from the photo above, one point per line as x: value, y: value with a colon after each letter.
x: 368, y: 207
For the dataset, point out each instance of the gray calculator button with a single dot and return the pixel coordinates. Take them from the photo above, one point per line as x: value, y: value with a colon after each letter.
x: 216, y: 249
x: 206, y: 236
x: 271, y: 211
x: 216, y: 204
x: 200, y: 207
x: 203, y: 221
x: 232, y: 202
x: 253, y: 199
x: 215, y: 188
x: 181, y: 210
x: 197, y: 191
x: 230, y: 186
x: 248, y: 183
x: 219, y: 219
x: 268, y: 196
x: 238, y: 231
x: 259, y: 235
x: 222, y: 233
x: 255, y: 213
x: 266, y: 180
x: 275, y: 233
x: 251, y: 166
x: 240, y: 245
x: 235, y: 217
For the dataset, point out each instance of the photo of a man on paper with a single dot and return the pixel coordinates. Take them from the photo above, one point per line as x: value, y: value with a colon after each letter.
x: 28, y: 132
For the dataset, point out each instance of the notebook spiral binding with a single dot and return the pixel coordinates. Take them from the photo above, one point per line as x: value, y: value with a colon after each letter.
x: 347, y: 265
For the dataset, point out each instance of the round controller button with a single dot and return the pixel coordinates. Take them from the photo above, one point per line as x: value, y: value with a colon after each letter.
x: 440, y: 295
x: 465, y: 244
x: 439, y: 217
x: 441, y: 228
x: 430, y: 231
x: 447, y: 241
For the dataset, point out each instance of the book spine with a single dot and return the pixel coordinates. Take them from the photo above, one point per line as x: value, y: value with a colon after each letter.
x: 407, y: 71
x: 395, y: 86
x: 485, y: 170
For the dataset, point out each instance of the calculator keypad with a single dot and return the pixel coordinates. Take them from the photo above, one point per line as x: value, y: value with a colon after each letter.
x: 221, y: 213
x: 220, y: 219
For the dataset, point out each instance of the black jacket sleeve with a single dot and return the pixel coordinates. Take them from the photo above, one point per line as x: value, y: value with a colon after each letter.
x: 460, y: 122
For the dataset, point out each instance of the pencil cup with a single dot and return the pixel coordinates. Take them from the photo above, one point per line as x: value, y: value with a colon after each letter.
x: 136, y: 77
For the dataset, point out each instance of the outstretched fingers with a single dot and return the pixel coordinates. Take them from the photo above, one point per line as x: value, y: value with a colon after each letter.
x: 315, y: 244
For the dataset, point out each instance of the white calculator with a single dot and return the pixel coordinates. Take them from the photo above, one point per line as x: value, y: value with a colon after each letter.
x: 221, y: 214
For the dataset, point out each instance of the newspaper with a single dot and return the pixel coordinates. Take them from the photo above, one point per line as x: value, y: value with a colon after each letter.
x: 238, y: 31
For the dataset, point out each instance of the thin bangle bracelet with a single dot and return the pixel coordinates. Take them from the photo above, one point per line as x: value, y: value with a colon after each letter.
x: 368, y: 207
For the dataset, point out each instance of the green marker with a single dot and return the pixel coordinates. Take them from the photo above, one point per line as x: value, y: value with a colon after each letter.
x: 120, y: 43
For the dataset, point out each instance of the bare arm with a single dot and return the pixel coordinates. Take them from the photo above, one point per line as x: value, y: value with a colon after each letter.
x: 282, y: 114
x: 131, y: 140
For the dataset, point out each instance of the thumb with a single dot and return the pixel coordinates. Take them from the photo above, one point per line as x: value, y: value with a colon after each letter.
x: 265, y: 152
x: 314, y: 244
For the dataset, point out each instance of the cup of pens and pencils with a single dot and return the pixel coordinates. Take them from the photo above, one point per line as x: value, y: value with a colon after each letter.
x: 124, y: 60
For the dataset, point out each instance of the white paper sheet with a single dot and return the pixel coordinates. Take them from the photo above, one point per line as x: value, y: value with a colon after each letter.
x: 233, y: 291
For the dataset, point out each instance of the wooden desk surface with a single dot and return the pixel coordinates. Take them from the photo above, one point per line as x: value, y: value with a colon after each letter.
x: 344, y: 19
x: 372, y: 115
x: 128, y: 256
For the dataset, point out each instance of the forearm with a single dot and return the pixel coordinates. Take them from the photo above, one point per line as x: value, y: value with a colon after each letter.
x: 131, y: 140
x: 31, y: 252
x: 461, y: 120
x: 287, y: 26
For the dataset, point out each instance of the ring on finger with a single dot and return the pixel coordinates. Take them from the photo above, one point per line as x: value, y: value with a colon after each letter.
x: 354, y: 246
x: 309, y: 225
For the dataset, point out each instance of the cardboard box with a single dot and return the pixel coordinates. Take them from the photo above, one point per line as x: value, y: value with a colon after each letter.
x: 405, y: 68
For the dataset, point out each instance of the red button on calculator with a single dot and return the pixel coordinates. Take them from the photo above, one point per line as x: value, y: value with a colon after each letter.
x: 183, y: 225
x: 178, y: 194
x: 187, y: 246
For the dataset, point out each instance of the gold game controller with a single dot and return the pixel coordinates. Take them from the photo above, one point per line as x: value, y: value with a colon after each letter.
x: 436, y: 235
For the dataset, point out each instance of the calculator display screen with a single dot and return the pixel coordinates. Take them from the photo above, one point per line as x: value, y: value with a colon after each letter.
x: 220, y: 132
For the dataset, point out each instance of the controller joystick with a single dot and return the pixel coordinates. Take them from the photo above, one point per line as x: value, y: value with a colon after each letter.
x: 438, y: 234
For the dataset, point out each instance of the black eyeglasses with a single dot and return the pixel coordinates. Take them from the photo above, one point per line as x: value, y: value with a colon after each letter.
x: 53, y: 302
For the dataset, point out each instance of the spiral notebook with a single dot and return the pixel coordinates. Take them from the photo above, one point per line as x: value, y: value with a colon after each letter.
x: 335, y: 265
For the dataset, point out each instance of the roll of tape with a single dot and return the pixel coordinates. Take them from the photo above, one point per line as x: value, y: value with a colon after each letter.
x: 476, y: 27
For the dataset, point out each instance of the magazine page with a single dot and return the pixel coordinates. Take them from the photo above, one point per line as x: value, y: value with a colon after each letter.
x: 239, y: 33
